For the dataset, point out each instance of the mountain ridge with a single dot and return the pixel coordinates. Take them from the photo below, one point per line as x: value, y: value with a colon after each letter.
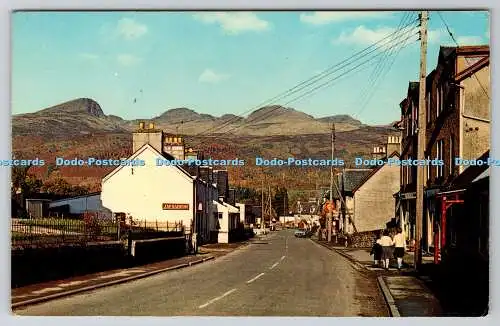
x: 85, y: 115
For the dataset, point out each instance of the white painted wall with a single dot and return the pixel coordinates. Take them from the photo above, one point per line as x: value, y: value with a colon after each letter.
x: 227, y: 222
x: 241, y: 207
x: 141, y: 190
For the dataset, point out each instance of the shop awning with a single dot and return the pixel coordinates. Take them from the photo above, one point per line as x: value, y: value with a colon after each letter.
x: 484, y: 175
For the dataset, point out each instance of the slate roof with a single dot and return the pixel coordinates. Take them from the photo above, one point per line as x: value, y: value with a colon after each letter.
x: 352, y: 178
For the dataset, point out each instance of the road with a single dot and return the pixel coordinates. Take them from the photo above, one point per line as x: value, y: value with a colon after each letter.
x: 278, y: 276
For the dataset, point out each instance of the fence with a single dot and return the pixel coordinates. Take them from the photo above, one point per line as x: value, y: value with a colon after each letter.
x: 153, y: 226
x: 26, y: 232
x: 90, y: 228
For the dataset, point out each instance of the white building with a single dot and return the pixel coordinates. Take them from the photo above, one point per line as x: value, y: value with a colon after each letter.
x: 166, y: 193
x: 160, y: 193
x: 242, y: 210
x: 229, y: 217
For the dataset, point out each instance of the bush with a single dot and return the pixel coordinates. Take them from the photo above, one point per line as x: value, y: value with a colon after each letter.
x: 92, y: 226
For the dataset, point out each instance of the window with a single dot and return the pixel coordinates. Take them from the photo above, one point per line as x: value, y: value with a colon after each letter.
x: 451, y: 158
x: 439, y: 156
x: 441, y: 99
x: 415, y: 118
x: 220, y: 215
x: 438, y: 100
x: 428, y: 168
x: 408, y: 125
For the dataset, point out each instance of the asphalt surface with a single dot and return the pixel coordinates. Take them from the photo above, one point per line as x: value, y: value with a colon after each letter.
x: 278, y: 276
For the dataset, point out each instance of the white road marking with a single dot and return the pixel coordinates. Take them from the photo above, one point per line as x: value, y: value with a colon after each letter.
x: 274, y: 265
x: 216, y: 299
x: 255, y: 278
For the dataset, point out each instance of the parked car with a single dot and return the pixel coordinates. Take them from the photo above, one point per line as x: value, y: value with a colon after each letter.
x: 300, y: 233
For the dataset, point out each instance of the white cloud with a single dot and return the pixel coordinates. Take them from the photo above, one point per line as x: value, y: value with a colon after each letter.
x: 130, y: 29
x: 128, y: 59
x: 470, y: 40
x: 234, y: 22
x: 327, y: 17
x: 362, y: 35
x: 438, y: 36
x: 89, y: 56
x: 210, y: 76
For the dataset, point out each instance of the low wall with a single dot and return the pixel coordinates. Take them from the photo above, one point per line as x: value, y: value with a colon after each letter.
x: 366, y: 239
x: 362, y: 239
x: 151, y: 250
x: 40, y: 264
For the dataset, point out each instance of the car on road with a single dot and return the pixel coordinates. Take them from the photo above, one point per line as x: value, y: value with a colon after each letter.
x: 300, y: 233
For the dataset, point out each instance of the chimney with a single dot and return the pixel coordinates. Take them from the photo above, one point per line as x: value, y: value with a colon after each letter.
x: 393, y: 144
x: 378, y: 152
x: 146, y: 136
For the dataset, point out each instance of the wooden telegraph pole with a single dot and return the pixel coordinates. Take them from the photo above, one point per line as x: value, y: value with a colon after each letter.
x: 330, y: 205
x: 270, y: 206
x: 262, y: 208
x: 421, y: 138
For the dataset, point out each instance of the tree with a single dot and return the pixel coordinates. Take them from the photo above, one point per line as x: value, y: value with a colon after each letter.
x: 281, y: 201
x: 18, y: 177
x: 63, y: 188
x: 247, y: 195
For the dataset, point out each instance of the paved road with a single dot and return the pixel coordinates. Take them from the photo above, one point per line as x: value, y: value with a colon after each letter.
x: 280, y: 276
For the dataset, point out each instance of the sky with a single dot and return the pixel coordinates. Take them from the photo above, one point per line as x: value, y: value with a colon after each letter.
x: 140, y: 64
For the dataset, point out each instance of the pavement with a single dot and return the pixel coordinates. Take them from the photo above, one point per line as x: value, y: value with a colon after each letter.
x: 46, y: 291
x: 277, y: 275
x: 406, y: 295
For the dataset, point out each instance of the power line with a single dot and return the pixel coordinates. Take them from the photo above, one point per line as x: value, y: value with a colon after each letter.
x: 305, y: 83
x: 311, y: 91
x: 376, y: 69
x: 323, y: 85
x: 466, y: 59
x: 381, y: 71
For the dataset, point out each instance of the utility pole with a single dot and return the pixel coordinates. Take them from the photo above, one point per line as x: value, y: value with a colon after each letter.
x: 422, y: 120
x: 285, y: 194
x: 330, y: 208
x: 262, y: 208
x: 270, y: 206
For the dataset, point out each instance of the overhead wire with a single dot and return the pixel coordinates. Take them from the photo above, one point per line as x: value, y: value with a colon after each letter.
x: 323, y: 85
x: 466, y: 59
x: 380, y: 71
x: 308, y: 82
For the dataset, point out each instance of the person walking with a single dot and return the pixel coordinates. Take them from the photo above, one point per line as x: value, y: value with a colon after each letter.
x: 376, y: 250
x: 400, y: 244
x: 387, y: 244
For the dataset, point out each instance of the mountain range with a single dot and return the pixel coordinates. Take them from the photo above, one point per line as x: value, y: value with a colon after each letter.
x: 80, y: 128
x: 85, y: 116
